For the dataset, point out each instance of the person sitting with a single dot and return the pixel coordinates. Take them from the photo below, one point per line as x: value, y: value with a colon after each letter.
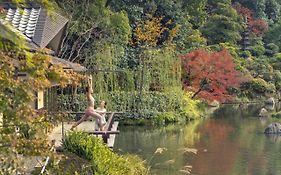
x: 90, y: 111
x: 102, y: 111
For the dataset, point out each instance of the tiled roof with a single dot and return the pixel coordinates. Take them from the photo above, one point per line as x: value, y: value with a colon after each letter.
x: 39, y: 28
x: 35, y: 23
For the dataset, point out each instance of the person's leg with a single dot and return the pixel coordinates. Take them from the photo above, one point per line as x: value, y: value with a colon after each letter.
x: 103, y: 121
x: 98, y: 117
x: 80, y: 121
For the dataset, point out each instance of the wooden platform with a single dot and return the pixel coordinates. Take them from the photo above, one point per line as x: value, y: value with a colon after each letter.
x: 87, y: 126
x: 108, y: 135
x: 56, y: 134
x: 111, y: 138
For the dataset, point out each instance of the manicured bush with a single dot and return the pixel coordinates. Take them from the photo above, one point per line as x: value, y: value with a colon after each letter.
x: 103, y: 160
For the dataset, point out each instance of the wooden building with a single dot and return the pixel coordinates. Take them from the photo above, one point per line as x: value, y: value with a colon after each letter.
x: 42, y: 30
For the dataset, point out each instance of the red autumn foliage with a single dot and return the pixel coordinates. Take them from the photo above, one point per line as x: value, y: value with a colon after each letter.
x: 210, y: 74
x: 244, y: 11
x: 257, y: 26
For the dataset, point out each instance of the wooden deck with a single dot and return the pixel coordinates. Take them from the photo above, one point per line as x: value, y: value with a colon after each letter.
x: 56, y: 134
x: 108, y: 135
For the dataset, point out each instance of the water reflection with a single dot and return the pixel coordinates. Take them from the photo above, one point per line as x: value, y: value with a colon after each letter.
x: 229, y: 142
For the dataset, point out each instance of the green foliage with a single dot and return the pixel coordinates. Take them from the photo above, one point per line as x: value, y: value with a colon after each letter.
x: 233, y: 49
x: 224, y: 25
x: 169, y: 106
x: 23, y: 131
x: 152, y: 102
x: 95, y: 33
x: 257, y: 48
x: 193, y: 109
x: 196, y: 9
x: 276, y: 115
x: 167, y: 117
x: 272, y: 36
x: 102, y: 159
x: 271, y: 49
x: 259, y: 86
x: 272, y: 10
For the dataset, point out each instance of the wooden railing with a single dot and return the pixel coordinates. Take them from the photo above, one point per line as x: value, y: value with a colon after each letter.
x: 110, y: 130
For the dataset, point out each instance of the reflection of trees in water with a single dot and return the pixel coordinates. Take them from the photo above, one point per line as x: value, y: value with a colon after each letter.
x: 177, y: 139
x: 191, y: 133
x: 237, y: 111
x: 275, y: 138
x: 230, y: 142
x: 236, y: 144
x: 220, y: 154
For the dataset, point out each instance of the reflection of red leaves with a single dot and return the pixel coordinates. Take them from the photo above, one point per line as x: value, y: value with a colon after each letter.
x: 222, y: 151
x: 219, y: 131
x: 217, y: 68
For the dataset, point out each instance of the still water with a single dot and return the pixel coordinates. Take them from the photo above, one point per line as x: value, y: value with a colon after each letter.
x: 229, y: 142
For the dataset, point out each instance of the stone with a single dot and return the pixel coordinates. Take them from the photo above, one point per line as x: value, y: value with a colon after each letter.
x: 270, y: 101
x: 214, y: 103
x: 263, y: 112
x: 273, y: 128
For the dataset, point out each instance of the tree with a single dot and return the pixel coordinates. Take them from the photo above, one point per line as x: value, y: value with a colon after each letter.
x: 274, y: 35
x: 94, y: 30
x: 22, y: 127
x: 210, y: 75
x: 196, y: 9
x: 224, y: 25
x: 256, y: 26
x: 272, y: 10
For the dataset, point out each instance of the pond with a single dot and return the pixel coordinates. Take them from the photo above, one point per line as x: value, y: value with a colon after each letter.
x: 229, y: 142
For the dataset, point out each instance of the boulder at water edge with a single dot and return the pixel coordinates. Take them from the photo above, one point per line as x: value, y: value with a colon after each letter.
x: 263, y: 112
x: 273, y: 128
x: 270, y: 101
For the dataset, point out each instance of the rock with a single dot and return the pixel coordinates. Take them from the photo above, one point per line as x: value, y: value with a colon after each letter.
x: 214, y: 103
x: 263, y: 112
x: 269, y: 107
x: 273, y: 128
x: 270, y: 101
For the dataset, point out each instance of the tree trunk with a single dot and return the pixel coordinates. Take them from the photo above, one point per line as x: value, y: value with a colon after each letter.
x: 199, y: 90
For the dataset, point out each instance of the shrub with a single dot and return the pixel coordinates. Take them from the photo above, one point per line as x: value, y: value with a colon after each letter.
x: 167, y: 117
x: 257, y: 88
x: 259, y: 85
x: 103, y: 160
x: 276, y: 115
x: 192, y: 108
